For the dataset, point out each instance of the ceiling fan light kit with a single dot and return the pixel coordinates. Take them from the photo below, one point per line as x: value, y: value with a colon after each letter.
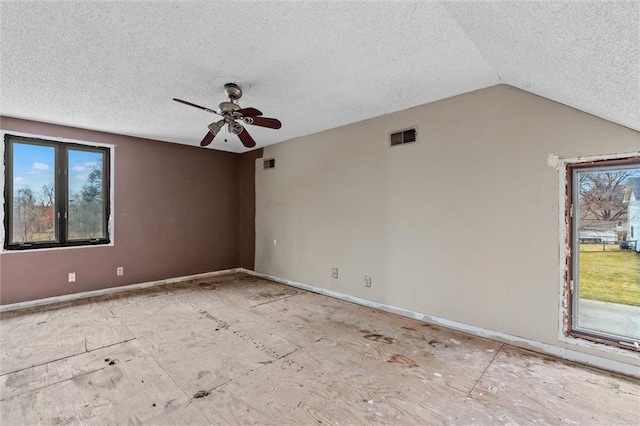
x: 214, y: 128
x: 231, y: 112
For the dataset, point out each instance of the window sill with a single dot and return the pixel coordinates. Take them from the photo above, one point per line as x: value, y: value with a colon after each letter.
x: 44, y: 249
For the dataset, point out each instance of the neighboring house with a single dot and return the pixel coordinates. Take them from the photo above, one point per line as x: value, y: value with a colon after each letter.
x: 598, y: 231
x: 632, y: 200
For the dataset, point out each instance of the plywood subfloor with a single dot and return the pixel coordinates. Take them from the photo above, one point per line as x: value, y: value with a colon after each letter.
x: 237, y: 349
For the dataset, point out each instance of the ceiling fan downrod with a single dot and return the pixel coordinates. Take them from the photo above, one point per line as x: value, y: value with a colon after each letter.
x: 233, y: 91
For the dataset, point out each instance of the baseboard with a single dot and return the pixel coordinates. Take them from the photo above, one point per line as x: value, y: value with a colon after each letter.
x: 556, y: 351
x: 112, y: 290
x: 545, y: 348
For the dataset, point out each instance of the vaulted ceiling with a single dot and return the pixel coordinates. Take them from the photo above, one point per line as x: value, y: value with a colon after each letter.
x: 115, y: 66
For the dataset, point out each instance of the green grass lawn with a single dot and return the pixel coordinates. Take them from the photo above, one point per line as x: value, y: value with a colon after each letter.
x: 610, y: 276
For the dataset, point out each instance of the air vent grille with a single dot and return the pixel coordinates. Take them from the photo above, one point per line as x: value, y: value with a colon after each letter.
x: 403, y: 136
x: 270, y: 164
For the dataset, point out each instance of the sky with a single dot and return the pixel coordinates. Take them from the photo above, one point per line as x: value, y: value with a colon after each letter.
x: 34, y: 166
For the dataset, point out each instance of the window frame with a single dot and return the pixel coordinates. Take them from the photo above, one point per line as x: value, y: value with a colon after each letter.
x: 572, y: 241
x: 61, y: 197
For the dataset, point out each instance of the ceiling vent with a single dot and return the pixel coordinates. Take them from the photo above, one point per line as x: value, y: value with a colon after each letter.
x: 403, y: 136
x: 270, y: 164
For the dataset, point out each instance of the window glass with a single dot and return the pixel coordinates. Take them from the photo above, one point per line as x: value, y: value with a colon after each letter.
x: 86, y: 195
x: 606, y: 278
x: 33, y: 193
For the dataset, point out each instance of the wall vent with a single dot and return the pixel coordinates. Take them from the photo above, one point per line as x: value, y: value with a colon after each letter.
x: 403, y: 136
x: 270, y: 164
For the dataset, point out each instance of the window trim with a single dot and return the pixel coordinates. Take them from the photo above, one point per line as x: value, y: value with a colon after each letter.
x: 568, y: 332
x: 108, y: 182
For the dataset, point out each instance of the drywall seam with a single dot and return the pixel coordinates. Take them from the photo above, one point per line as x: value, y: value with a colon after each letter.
x: 561, y: 165
x: 112, y: 290
x: 567, y: 354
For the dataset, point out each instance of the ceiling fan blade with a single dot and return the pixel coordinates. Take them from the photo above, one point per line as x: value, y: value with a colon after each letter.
x: 249, y: 112
x: 208, y: 138
x: 194, y: 105
x: 271, y: 123
x: 246, y: 138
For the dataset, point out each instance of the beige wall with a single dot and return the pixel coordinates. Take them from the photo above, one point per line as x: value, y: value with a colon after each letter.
x: 461, y: 225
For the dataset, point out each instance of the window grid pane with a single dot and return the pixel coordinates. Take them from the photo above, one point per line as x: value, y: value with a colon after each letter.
x: 33, y: 201
x: 86, y: 203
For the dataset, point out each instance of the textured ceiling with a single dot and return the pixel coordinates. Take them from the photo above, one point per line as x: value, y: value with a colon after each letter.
x: 115, y: 66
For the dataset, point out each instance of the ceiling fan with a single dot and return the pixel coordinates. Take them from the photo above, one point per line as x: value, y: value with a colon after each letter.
x: 231, y: 113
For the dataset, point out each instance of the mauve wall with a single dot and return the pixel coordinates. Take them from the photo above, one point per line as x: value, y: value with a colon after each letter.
x: 247, y: 208
x: 177, y: 212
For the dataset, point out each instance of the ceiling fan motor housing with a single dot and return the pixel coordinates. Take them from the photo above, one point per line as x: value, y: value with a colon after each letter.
x: 228, y: 107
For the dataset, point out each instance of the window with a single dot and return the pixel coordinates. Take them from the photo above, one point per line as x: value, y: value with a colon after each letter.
x: 402, y: 137
x: 603, y: 274
x: 56, y: 194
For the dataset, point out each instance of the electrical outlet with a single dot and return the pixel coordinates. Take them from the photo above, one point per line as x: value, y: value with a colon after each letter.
x: 334, y: 273
x: 367, y: 281
x: 72, y: 277
x: 120, y: 270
